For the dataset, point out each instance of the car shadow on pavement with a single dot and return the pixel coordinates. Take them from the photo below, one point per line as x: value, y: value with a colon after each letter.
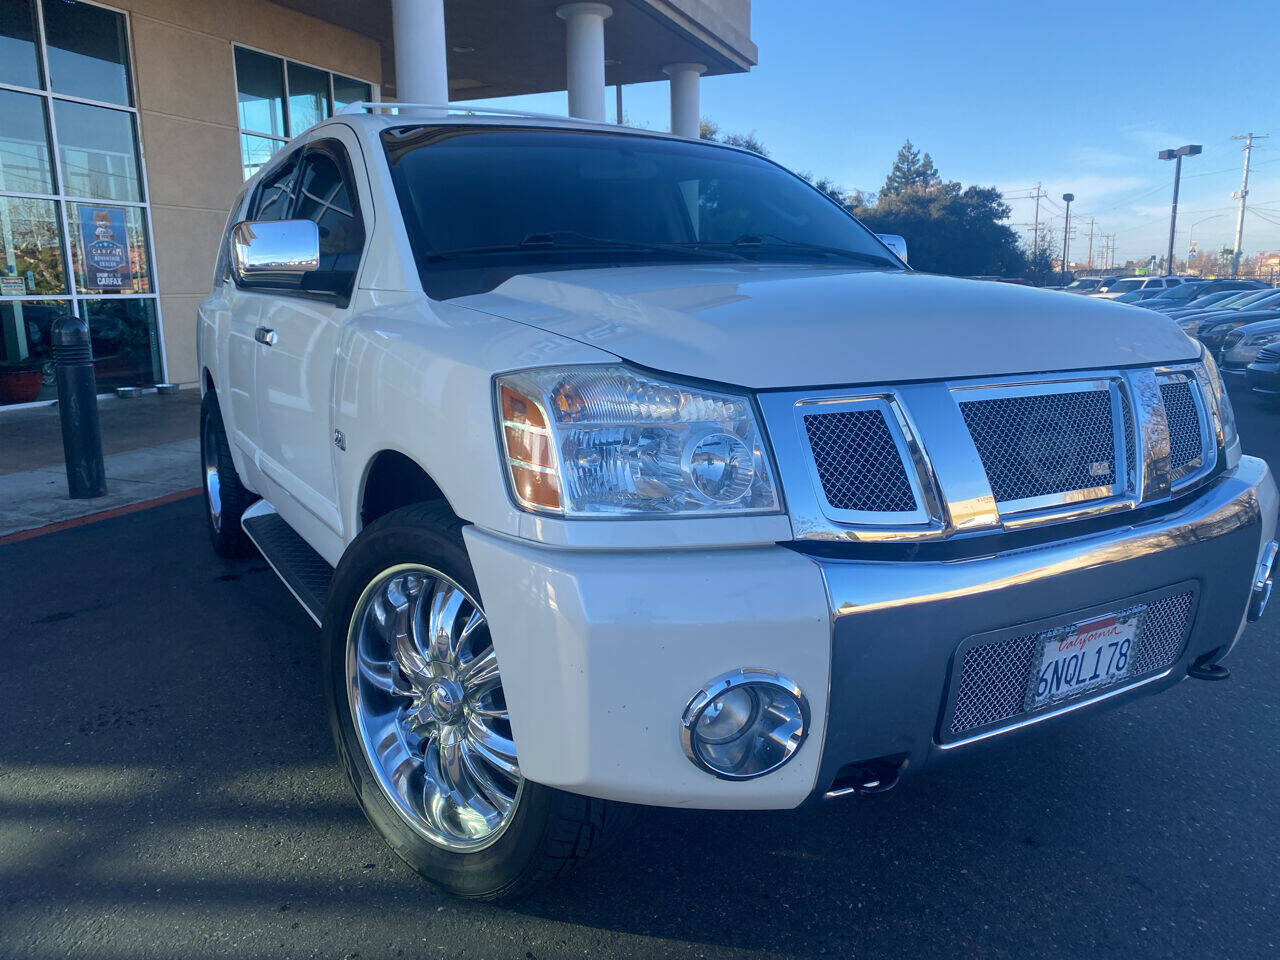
x: 168, y: 788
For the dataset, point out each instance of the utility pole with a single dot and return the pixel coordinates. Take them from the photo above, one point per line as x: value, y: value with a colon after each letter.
x: 1035, y: 227
x: 1248, y: 139
x: 1090, y: 257
x: 1066, y: 226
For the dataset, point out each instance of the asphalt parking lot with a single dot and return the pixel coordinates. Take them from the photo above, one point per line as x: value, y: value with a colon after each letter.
x: 168, y: 789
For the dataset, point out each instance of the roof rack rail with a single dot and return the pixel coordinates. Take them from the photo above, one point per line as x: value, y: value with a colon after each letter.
x: 363, y: 106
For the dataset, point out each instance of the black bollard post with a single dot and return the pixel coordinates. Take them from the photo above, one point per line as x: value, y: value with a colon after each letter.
x: 78, y: 407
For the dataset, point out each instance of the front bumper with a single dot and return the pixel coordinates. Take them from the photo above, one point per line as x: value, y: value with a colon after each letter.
x: 601, y: 651
x: 1264, y: 378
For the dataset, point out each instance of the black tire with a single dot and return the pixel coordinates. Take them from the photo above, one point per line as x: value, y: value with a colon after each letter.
x: 225, y: 533
x: 550, y: 831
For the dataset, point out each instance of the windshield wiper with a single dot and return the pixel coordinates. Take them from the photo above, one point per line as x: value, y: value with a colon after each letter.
x: 761, y: 240
x: 572, y: 240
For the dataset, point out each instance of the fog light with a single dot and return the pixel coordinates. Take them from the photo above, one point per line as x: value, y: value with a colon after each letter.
x: 745, y: 724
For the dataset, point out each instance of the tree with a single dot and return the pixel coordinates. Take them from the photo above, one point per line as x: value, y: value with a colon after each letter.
x: 710, y: 130
x: 911, y: 173
x: 948, y: 228
x: 828, y: 186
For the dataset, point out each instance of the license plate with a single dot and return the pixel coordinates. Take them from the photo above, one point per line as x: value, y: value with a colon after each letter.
x: 1085, y: 656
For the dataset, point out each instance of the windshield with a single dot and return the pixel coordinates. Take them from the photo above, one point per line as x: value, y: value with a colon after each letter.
x: 504, y: 201
x: 1183, y: 291
x: 1085, y: 283
x: 1253, y: 299
x: 1124, y: 286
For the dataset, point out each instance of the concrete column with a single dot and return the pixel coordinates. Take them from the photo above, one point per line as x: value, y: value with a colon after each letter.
x: 422, y: 65
x: 685, y: 109
x: 584, y: 28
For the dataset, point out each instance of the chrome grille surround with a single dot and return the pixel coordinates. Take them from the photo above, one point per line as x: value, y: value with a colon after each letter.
x: 988, y: 691
x: 951, y: 485
x: 874, y: 429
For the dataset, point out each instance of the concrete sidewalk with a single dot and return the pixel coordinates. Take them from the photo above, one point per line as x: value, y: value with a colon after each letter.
x: 150, y: 446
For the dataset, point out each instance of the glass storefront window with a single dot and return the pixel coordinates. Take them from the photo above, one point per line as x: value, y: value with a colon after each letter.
x: 26, y: 368
x: 30, y: 248
x: 98, y: 151
x: 308, y: 96
x: 71, y: 186
x: 260, y: 92
x: 24, y: 144
x: 277, y: 99
x: 88, y: 51
x: 346, y: 90
x: 255, y: 151
x: 19, y: 64
x: 126, y: 351
x: 108, y: 248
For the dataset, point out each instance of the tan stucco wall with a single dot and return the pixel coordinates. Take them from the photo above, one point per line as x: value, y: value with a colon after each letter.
x: 184, y: 74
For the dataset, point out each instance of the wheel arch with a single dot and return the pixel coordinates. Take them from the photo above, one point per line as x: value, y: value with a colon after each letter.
x: 393, y: 479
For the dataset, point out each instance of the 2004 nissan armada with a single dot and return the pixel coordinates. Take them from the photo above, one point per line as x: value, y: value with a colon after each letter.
x: 623, y: 469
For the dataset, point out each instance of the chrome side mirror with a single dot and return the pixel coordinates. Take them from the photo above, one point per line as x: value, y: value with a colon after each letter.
x: 894, y: 243
x: 274, y: 253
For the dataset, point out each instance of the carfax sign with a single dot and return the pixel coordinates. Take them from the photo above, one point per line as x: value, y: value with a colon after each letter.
x: 106, y: 248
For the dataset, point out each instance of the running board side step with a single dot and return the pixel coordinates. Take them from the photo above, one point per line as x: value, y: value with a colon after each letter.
x: 306, y: 573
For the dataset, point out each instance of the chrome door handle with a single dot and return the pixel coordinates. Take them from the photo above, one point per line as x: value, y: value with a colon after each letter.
x: 266, y: 336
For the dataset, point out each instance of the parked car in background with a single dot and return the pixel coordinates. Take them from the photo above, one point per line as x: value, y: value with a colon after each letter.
x: 1183, y: 293
x: 1263, y: 375
x: 521, y: 410
x: 1128, y: 284
x: 1136, y: 296
x: 1083, y: 285
x: 1214, y: 332
x: 1198, y: 322
x: 1176, y: 310
x: 1241, y: 346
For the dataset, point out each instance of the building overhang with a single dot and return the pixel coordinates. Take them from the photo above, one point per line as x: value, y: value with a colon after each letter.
x: 501, y: 48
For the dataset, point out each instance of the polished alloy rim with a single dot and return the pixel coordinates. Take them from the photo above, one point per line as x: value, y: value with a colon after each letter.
x: 426, y: 699
x: 212, y: 482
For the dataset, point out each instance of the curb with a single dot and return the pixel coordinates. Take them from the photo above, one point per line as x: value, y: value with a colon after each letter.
x: 100, y: 515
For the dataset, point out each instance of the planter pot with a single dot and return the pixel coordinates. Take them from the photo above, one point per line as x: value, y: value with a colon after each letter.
x: 20, y: 383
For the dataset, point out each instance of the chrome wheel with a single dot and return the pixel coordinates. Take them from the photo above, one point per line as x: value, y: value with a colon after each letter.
x: 212, y: 481
x: 426, y: 699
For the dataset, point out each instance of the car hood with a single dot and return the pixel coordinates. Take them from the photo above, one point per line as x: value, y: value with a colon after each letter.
x: 766, y: 326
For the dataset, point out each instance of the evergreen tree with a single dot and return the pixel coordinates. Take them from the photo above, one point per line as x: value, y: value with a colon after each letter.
x: 911, y: 173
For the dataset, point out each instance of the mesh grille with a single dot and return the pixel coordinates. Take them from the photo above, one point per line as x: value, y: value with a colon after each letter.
x: 1040, y: 445
x: 1162, y: 633
x: 1184, y: 428
x: 993, y: 676
x: 858, y: 462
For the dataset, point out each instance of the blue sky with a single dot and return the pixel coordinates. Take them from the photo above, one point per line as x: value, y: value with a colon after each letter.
x: 1077, y: 96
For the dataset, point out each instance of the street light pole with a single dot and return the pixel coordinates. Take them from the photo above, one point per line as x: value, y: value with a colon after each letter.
x: 1190, y: 150
x: 1066, y: 232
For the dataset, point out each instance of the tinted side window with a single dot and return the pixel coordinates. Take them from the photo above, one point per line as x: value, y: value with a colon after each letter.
x: 275, y: 193
x: 326, y: 195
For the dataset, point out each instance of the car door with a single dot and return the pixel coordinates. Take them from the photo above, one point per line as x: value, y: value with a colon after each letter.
x: 271, y: 201
x: 294, y: 371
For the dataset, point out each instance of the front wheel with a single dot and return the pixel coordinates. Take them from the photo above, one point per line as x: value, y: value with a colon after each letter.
x: 418, y: 714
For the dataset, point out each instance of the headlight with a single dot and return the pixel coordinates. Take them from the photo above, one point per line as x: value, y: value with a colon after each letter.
x: 1224, y: 417
x: 606, y: 440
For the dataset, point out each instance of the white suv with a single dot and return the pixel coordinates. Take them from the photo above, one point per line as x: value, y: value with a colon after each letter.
x: 623, y: 469
x: 1118, y: 288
